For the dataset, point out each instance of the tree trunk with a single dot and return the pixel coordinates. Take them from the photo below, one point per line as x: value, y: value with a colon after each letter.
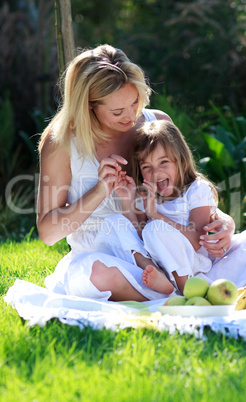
x: 64, y: 33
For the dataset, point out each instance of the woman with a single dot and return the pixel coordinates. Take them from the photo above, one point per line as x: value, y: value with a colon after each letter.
x: 81, y: 152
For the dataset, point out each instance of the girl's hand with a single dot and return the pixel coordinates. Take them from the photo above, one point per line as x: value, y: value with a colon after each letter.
x: 108, y: 172
x: 125, y: 187
x: 218, y: 242
x: 149, y: 199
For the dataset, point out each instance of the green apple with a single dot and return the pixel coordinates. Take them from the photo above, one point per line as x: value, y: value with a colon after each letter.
x: 197, y: 301
x: 222, y: 291
x: 175, y: 301
x: 195, y: 286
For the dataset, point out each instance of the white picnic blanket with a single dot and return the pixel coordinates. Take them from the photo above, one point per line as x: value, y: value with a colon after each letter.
x: 38, y: 305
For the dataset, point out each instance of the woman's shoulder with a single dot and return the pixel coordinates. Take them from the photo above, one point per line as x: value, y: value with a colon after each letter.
x: 51, y: 150
x: 161, y: 115
x: 154, y: 114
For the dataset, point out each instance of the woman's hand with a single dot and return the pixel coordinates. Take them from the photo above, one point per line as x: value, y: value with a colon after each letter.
x: 149, y: 199
x: 108, y: 172
x: 56, y: 218
x: 125, y: 187
x: 218, y: 242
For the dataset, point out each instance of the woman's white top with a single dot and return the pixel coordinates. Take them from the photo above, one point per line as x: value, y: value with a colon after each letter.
x: 84, y: 177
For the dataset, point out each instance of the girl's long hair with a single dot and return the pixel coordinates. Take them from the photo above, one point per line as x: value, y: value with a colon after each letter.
x: 90, y: 77
x: 169, y: 136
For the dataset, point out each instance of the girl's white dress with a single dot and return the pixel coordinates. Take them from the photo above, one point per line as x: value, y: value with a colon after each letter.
x: 162, y: 242
x: 72, y: 274
x: 167, y: 246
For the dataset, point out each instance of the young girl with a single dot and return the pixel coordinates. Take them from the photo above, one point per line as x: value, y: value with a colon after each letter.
x: 177, y: 201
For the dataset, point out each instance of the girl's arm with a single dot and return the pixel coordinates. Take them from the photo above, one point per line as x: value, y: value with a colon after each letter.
x: 223, y: 227
x: 198, y: 218
x: 55, y: 218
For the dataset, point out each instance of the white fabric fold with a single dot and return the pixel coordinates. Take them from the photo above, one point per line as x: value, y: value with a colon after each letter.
x: 38, y: 305
x: 173, y: 251
x: 77, y: 278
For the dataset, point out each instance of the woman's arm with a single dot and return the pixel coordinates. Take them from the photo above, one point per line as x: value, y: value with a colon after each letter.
x: 223, y: 227
x: 55, y: 218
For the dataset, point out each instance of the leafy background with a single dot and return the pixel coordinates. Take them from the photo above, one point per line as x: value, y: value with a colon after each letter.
x: 193, y: 54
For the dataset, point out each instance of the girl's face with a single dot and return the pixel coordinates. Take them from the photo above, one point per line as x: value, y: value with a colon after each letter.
x: 118, y: 111
x: 158, y: 168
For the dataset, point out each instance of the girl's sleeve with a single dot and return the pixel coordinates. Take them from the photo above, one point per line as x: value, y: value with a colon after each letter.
x: 200, y: 195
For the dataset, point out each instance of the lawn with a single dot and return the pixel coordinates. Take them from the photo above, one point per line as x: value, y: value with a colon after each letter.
x: 62, y: 363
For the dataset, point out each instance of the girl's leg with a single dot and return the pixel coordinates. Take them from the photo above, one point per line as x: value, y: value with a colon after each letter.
x: 173, y: 251
x: 153, y: 277
x: 110, y: 278
x: 180, y: 280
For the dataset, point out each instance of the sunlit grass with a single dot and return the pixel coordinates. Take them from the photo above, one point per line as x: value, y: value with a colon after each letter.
x: 62, y: 363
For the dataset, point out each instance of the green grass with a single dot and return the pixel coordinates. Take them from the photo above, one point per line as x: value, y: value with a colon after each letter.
x: 62, y: 363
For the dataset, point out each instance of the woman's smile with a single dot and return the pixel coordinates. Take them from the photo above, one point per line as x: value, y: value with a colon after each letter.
x: 128, y: 124
x: 117, y: 112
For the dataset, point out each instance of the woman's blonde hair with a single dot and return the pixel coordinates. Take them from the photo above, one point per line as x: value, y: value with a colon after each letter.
x: 177, y: 150
x: 90, y: 77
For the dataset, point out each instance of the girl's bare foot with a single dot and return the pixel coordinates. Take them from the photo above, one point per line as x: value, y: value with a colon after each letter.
x: 156, y: 280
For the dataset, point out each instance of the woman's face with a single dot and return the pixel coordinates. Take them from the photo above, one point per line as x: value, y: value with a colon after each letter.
x: 158, y: 168
x: 118, y: 111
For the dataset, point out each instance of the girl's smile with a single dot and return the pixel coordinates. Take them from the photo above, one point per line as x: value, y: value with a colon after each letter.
x: 162, y: 185
x: 158, y: 168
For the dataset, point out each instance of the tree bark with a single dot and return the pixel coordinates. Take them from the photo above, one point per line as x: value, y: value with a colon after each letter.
x: 64, y: 33
x: 67, y: 30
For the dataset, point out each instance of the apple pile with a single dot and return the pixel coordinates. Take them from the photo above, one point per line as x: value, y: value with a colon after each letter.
x: 197, y: 292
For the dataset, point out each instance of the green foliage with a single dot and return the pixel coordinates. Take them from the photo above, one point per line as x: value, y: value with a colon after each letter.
x: 225, y: 162
x: 25, y: 64
x: 192, y: 52
x: 15, y: 225
x: 7, y: 125
x: 26, y: 68
x: 6, y: 138
x: 13, y: 161
x: 194, y: 49
x: 182, y: 119
x: 179, y: 117
x: 21, y: 60
x: 218, y: 143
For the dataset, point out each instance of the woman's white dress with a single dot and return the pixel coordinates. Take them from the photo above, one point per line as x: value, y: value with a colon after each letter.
x: 72, y: 274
